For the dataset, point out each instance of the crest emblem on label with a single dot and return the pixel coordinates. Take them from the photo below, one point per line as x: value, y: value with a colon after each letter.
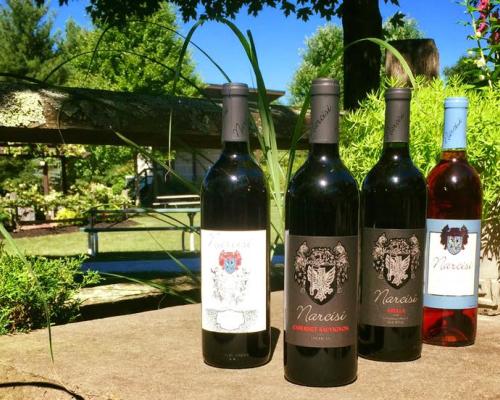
x: 396, y: 260
x: 454, y: 239
x: 230, y: 278
x: 321, y: 271
x: 229, y: 260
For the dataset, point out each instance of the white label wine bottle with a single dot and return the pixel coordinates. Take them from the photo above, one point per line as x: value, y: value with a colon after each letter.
x: 235, y: 247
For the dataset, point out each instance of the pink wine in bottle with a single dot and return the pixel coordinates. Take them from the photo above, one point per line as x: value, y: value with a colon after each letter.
x: 453, y: 238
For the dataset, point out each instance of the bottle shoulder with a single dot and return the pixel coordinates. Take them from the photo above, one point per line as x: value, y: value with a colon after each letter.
x: 237, y: 173
x: 331, y: 174
x: 319, y: 183
x: 454, y: 191
x: 394, y: 175
x: 453, y: 174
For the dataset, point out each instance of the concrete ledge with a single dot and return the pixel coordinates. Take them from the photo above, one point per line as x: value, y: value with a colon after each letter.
x: 157, y: 355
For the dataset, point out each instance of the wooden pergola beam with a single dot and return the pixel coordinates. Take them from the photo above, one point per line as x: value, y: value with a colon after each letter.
x: 36, y: 114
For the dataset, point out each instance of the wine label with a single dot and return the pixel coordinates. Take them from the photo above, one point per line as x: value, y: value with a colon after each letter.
x: 452, y: 263
x: 321, y: 280
x: 233, y: 281
x: 392, y: 269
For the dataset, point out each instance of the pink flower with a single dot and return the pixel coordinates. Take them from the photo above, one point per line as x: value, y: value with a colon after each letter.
x: 482, y: 27
x: 483, y: 5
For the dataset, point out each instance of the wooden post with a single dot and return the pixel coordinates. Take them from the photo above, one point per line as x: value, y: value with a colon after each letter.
x: 137, y: 193
x: 45, y: 177
x: 193, y: 166
x: 64, y: 175
x: 421, y: 55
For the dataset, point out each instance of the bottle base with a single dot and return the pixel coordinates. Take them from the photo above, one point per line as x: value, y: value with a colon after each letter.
x: 442, y: 343
x: 235, y: 350
x: 449, y: 327
x: 388, y: 358
x: 237, y: 365
x: 320, y: 384
x: 390, y: 344
x: 320, y: 366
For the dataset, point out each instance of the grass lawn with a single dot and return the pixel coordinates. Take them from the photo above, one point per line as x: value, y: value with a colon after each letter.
x: 117, y: 245
x: 75, y: 243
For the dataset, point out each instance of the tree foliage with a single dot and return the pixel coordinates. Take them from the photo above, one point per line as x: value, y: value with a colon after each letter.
x: 27, y: 47
x: 360, y: 19
x: 139, y: 56
x: 400, y: 26
x: 466, y: 69
x: 327, y: 42
x: 117, y: 11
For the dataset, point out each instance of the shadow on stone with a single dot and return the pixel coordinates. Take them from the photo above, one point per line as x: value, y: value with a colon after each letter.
x: 275, y: 335
x: 45, y: 385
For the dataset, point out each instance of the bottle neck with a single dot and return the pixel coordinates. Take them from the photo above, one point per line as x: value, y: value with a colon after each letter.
x: 324, y: 119
x: 323, y: 151
x: 453, y: 155
x: 397, y: 121
x: 235, y: 119
x: 455, y: 124
x: 395, y: 150
x: 229, y: 148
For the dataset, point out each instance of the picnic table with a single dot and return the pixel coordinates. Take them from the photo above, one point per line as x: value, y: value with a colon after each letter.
x: 173, y: 224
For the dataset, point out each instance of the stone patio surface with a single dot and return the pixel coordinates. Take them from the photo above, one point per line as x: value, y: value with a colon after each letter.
x: 157, y: 355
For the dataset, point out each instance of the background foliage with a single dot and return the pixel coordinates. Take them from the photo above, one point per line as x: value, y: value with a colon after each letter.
x: 362, y: 133
x: 27, y: 46
x: 140, y: 56
x: 73, y: 205
x: 21, y: 298
x: 327, y: 42
x: 130, y: 58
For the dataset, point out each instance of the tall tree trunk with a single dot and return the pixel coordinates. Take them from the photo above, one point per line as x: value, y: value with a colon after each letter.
x: 421, y: 55
x: 361, y: 19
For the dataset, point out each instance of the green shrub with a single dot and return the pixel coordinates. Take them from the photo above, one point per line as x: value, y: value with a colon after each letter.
x: 73, y: 205
x: 21, y: 297
x: 65, y: 214
x: 362, y: 134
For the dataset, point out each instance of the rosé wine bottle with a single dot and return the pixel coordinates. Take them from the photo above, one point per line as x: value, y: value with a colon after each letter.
x: 453, y: 238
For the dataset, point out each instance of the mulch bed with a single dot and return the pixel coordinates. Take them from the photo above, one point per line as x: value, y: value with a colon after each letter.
x: 54, y: 229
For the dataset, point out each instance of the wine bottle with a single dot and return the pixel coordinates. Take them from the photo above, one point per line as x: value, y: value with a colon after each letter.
x: 235, y: 247
x: 321, y: 275
x: 392, y: 214
x: 453, y: 238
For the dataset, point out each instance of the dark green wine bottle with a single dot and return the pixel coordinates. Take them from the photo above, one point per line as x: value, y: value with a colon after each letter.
x: 321, y: 274
x: 393, y: 215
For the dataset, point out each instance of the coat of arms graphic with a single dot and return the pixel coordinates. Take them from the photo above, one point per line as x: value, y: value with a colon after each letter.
x: 321, y: 271
x: 396, y: 259
x: 230, y: 278
x: 454, y: 239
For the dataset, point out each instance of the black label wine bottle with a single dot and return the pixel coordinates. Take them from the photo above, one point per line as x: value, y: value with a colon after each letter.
x: 321, y: 255
x: 453, y: 238
x: 392, y: 214
x: 235, y: 247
